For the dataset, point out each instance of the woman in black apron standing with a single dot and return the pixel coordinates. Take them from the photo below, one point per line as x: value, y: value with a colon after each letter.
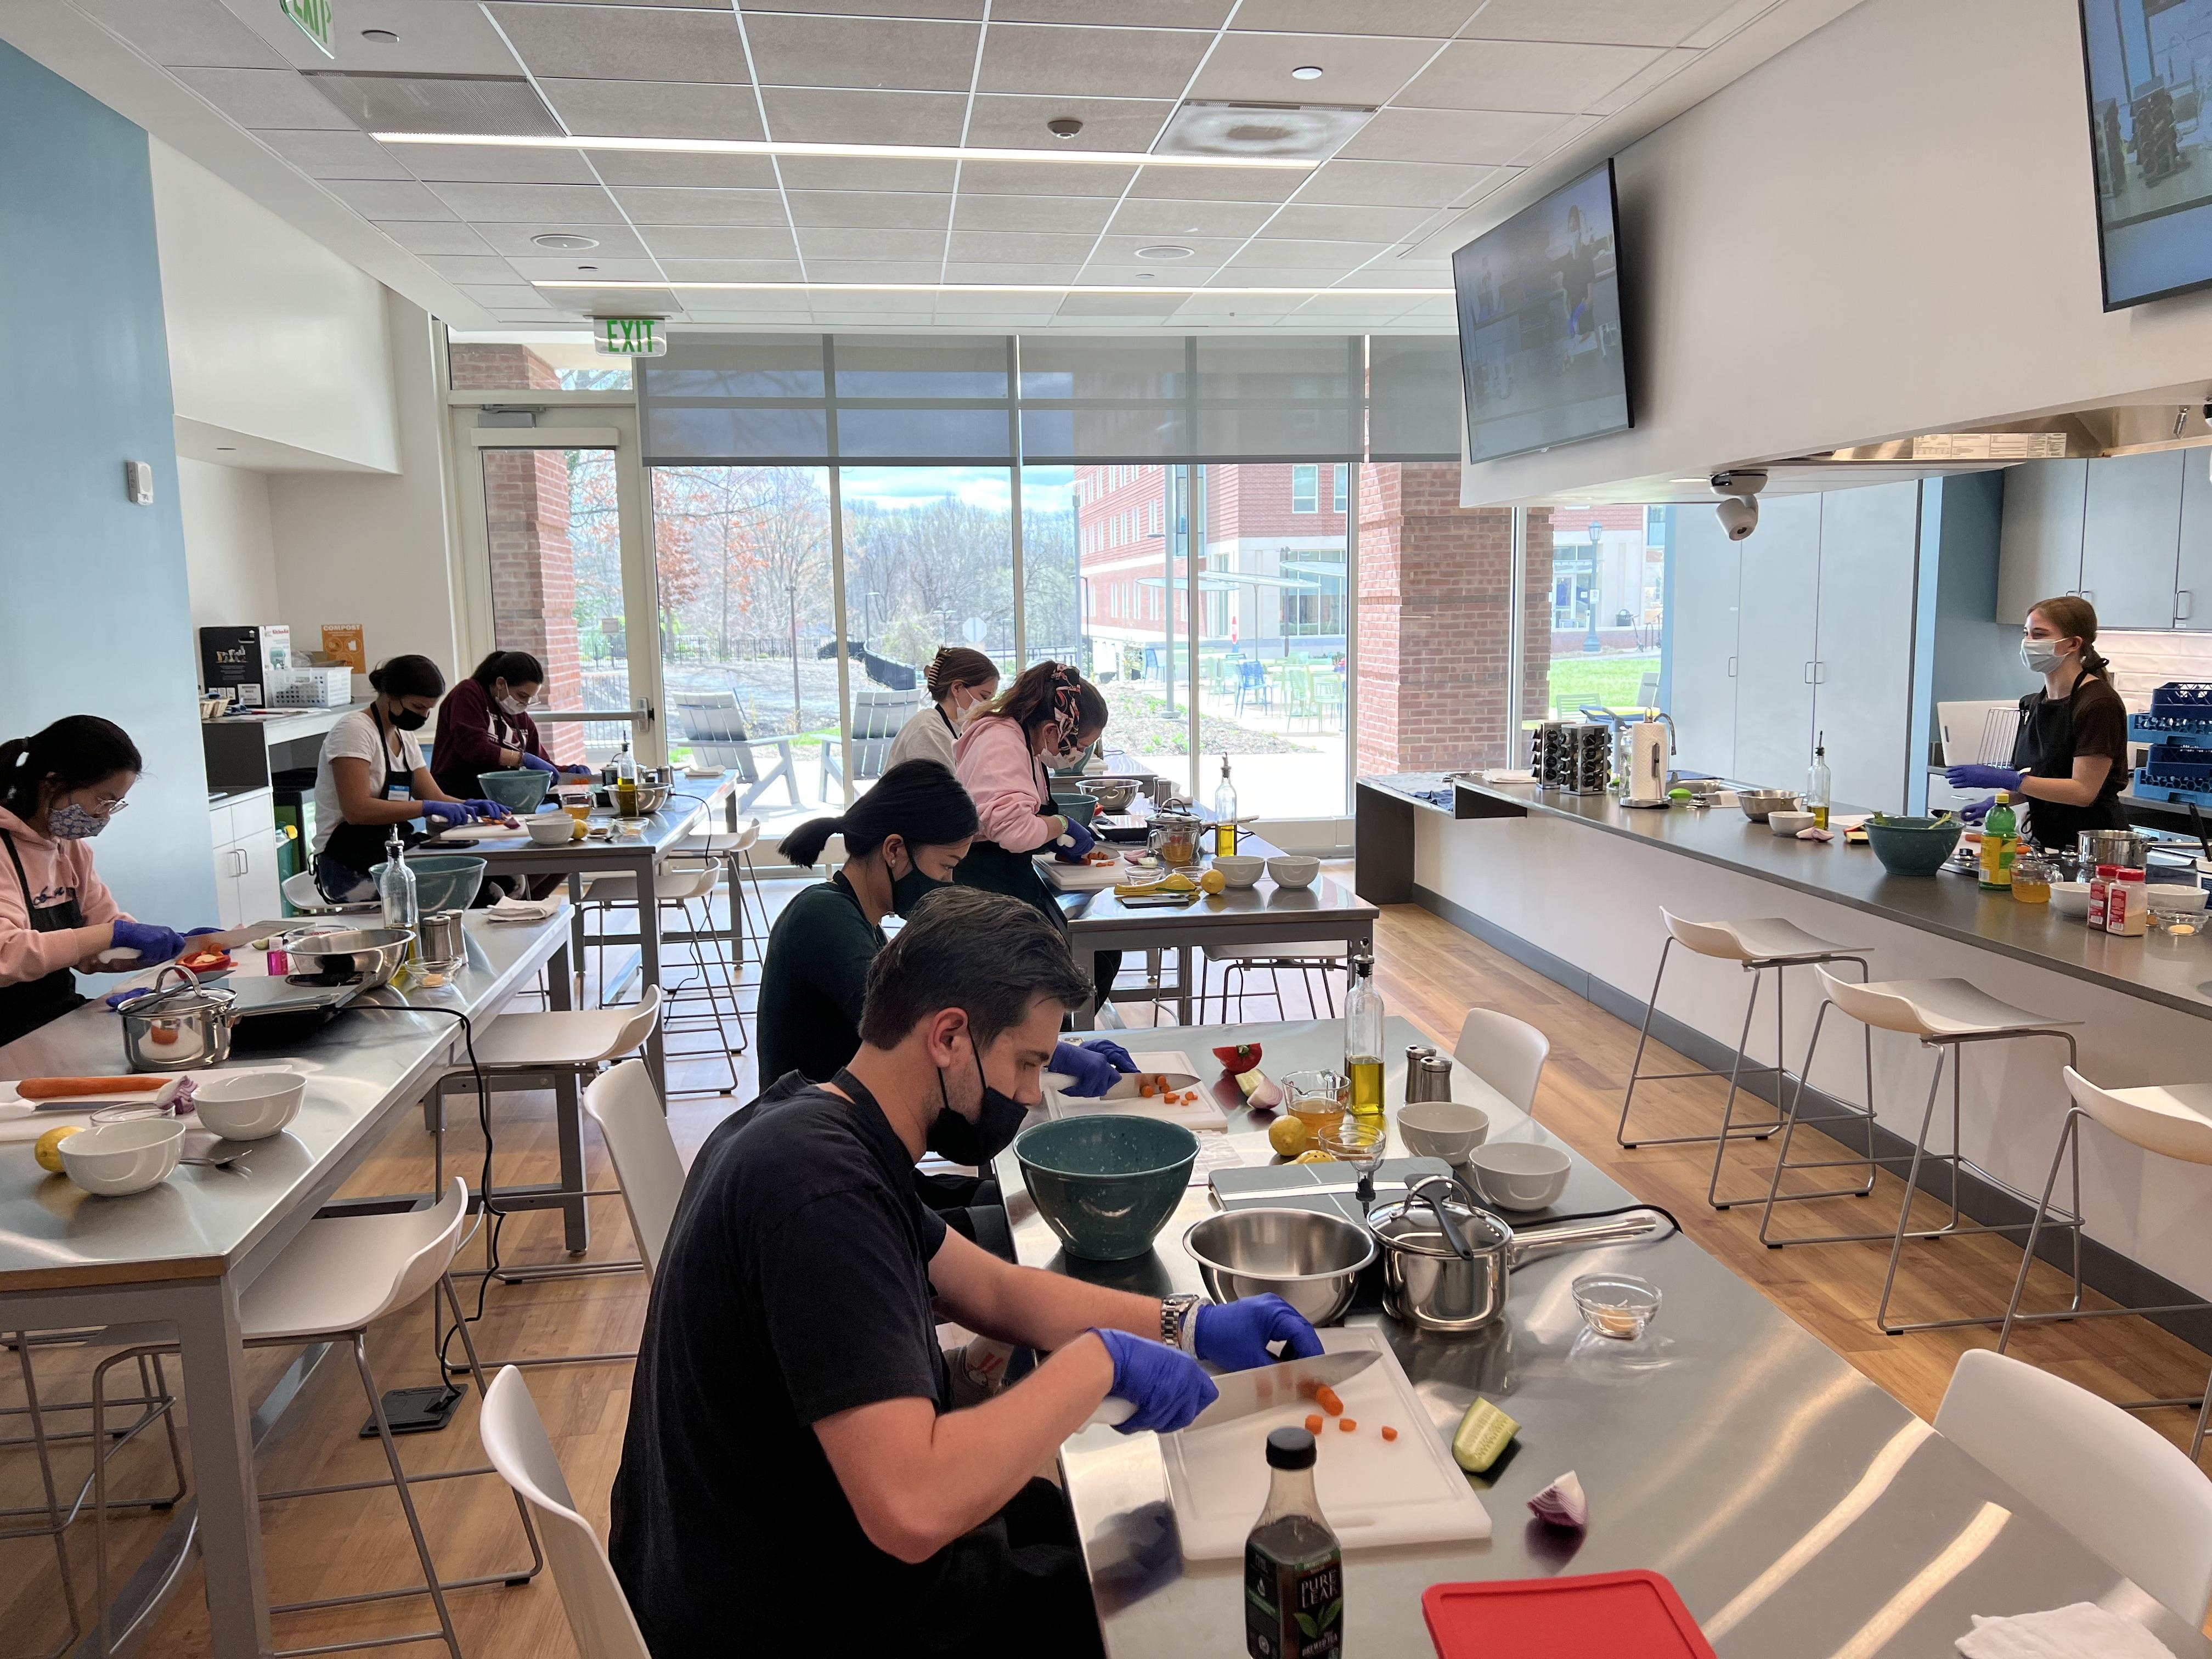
x: 2070, y: 761
x: 59, y: 789
x: 1049, y: 716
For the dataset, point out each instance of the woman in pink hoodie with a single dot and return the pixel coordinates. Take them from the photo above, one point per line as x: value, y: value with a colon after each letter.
x: 58, y: 790
x: 1045, y: 718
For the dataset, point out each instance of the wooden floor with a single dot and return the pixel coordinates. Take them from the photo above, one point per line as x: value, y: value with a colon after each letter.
x: 1429, y: 972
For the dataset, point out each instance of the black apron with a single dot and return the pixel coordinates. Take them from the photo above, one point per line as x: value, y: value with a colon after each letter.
x: 971, y: 1206
x: 360, y: 847
x: 25, y: 1007
x: 2044, y: 749
x: 993, y: 868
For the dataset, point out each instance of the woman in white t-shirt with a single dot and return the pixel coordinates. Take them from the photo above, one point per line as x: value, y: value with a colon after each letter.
x: 960, y: 681
x: 371, y: 775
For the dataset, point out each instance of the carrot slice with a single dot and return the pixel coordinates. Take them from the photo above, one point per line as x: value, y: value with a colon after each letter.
x: 1313, y: 1425
x: 1389, y: 1433
x: 1326, y: 1396
x: 1145, y: 1090
x: 1346, y: 1423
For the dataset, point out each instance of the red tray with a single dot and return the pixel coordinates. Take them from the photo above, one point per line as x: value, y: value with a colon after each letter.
x: 1603, y: 1615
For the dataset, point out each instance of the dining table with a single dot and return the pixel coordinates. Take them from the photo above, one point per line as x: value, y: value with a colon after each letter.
x: 1800, y: 1512
x: 181, y: 1254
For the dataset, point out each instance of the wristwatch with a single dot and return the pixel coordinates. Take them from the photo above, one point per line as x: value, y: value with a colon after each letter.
x: 1178, y: 1320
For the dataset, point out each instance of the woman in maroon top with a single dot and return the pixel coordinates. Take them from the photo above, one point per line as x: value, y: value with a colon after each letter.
x: 484, y: 725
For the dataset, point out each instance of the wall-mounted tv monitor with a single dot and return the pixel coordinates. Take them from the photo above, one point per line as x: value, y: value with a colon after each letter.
x: 2148, y: 64
x: 1539, y: 335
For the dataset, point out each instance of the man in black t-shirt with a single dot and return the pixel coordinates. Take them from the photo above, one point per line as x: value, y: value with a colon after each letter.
x: 792, y: 1481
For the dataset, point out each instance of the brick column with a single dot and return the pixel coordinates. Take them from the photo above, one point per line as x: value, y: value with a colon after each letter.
x: 534, y: 567
x: 1436, y: 623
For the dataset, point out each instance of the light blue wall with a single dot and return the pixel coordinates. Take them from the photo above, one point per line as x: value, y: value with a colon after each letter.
x: 94, y: 614
x: 1964, y: 653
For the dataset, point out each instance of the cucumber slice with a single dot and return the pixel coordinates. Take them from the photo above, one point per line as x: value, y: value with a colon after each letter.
x: 1482, y: 1437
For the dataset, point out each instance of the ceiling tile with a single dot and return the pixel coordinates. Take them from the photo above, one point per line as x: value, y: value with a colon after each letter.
x: 1183, y: 273
x: 1522, y: 75
x: 746, y: 310
x: 433, y: 236
x: 321, y: 154
x: 1118, y: 305
x: 1216, y: 184
x: 1439, y: 18
x: 436, y: 37
x: 1251, y: 307
x: 1319, y: 256
x: 509, y: 298
x: 975, y: 246
x: 1566, y: 133
x: 874, y: 270
x: 702, y: 207
x: 486, y: 165
x: 618, y: 167
x: 1204, y: 250
x: 952, y: 10
x: 1623, y: 23
x: 530, y: 203
x: 831, y: 242
x: 997, y: 271
x: 1464, y: 136
x: 612, y: 43
x: 1115, y: 63
x: 903, y: 55
x: 564, y: 267
x: 467, y: 268
x: 1087, y: 214
x: 865, y: 117
x: 732, y: 270
x: 875, y: 304
x: 645, y: 109
x: 866, y: 209
x: 1174, y: 221
x: 382, y: 198
x: 1356, y: 69
x: 615, y: 241
x: 1396, y: 184
x: 1136, y: 13
x: 180, y: 32
x: 1006, y: 121
x: 541, y: 314
x: 720, y: 241
x: 1261, y: 274
x: 1654, y: 75
x: 616, y: 301
x: 1043, y: 178
x: 1326, y: 221
x: 266, y: 98
x: 866, y: 172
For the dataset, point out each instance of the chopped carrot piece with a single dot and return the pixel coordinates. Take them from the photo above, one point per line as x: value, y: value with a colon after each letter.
x: 1145, y: 1090
x: 1313, y: 1424
x: 1329, y: 1403
x: 1389, y: 1433
x: 1308, y: 1388
x: 1346, y: 1423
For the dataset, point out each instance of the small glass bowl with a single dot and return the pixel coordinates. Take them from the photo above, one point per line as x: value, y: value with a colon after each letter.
x: 1357, y: 1140
x: 1620, y: 1306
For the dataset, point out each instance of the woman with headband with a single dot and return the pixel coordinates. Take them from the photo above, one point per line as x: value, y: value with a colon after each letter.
x: 960, y: 681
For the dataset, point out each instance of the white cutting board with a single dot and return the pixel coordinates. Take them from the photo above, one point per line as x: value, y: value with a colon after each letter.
x: 1373, y: 1492
x: 1126, y: 1097
x: 1082, y: 878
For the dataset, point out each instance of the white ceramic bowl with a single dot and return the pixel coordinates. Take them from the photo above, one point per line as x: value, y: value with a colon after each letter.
x: 1788, y: 823
x: 1238, y: 870
x: 116, y: 1159
x: 1448, y: 1129
x: 2177, y: 898
x: 1290, y: 870
x: 1519, y: 1174
x: 2070, y: 898
x: 247, y: 1105
x: 550, y: 829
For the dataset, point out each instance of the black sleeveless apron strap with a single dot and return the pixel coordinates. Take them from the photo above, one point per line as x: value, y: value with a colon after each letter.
x: 360, y: 847
x: 25, y: 1007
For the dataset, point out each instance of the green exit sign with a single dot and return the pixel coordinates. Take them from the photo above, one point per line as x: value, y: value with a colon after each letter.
x: 629, y: 337
x: 314, y: 17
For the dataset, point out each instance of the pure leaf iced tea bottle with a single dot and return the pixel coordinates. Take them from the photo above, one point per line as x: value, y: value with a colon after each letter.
x: 1293, y: 1572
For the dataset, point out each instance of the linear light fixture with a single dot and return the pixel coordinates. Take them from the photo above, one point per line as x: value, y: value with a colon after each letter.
x: 1120, y: 158
x: 981, y: 287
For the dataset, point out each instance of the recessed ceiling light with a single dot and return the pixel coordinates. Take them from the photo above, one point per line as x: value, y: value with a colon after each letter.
x: 566, y: 241
x: 379, y: 37
x: 1119, y: 158
x: 1306, y: 72
x: 1144, y: 275
x: 1163, y: 251
x: 587, y: 267
x: 969, y: 288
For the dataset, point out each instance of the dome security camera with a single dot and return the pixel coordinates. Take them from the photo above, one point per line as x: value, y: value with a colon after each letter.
x: 1739, y: 481
x: 1739, y: 516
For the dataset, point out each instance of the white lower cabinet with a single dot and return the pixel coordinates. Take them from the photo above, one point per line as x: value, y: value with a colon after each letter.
x: 243, y: 828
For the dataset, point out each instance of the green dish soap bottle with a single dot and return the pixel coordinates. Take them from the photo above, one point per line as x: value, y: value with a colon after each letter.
x: 1293, y: 1570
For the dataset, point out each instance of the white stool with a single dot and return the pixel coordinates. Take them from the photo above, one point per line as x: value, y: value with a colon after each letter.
x: 2169, y: 1121
x: 734, y: 849
x: 1766, y: 944
x: 1945, y: 1015
x: 1304, y: 956
x: 679, y: 887
x: 333, y: 1282
x: 635, y: 1125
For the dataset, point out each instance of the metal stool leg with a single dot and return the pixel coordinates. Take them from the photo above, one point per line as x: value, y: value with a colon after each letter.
x: 56, y: 1526
x: 407, y: 1498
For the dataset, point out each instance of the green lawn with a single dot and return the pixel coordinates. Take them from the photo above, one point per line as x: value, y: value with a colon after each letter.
x: 1609, y: 682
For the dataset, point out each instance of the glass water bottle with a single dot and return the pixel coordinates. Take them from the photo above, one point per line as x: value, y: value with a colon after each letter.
x: 1819, y: 788
x: 1363, y: 1036
x: 1293, y: 1570
x: 395, y: 886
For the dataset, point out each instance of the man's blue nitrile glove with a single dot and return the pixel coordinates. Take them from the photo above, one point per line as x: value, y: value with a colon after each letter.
x: 444, y: 814
x: 1235, y: 1335
x: 496, y: 811
x: 1974, y: 811
x: 1094, y: 1066
x: 577, y: 772
x: 194, y: 932
x: 538, y: 763
x: 1165, y: 1384
x: 1078, y: 834
x: 1983, y: 777
x: 152, y: 943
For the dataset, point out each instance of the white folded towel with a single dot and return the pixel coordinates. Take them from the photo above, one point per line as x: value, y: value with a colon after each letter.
x: 1507, y: 774
x: 2083, y: 1631
x: 515, y: 909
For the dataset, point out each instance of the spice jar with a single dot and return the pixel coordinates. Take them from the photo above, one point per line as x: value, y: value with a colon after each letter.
x: 2101, y: 887
x: 2127, y: 903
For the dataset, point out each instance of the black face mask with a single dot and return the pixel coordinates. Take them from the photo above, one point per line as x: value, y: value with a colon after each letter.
x: 956, y: 1140
x: 909, y: 889
x: 406, y: 720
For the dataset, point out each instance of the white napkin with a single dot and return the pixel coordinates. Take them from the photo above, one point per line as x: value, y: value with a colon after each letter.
x: 1507, y: 774
x: 2083, y: 1631
x: 515, y: 909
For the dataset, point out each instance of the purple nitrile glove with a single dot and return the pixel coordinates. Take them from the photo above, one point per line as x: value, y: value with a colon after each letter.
x: 1975, y: 811
x: 494, y: 811
x: 444, y: 814
x: 194, y: 932
x: 1076, y: 846
x: 577, y: 772
x: 1165, y: 1384
x: 1235, y: 1335
x: 1983, y: 777
x: 152, y: 943
x: 1094, y: 1066
x: 537, y: 763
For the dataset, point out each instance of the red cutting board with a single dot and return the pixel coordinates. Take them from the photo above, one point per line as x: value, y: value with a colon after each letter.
x: 1603, y: 1615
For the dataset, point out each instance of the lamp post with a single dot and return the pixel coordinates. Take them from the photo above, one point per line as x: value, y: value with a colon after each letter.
x: 1590, y: 644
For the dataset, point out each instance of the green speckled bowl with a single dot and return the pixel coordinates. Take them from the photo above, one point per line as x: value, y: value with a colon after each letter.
x: 1913, y: 846
x: 1106, y: 1183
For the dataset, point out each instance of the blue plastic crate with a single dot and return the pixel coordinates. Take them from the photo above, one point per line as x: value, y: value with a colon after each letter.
x: 2193, y: 731
x: 2147, y: 789
x: 2183, y: 697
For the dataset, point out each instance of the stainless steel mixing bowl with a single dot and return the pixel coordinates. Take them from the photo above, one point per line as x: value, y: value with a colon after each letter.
x: 1312, y: 1260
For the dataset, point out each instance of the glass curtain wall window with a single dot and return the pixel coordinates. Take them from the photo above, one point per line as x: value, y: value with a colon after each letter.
x: 1600, y: 642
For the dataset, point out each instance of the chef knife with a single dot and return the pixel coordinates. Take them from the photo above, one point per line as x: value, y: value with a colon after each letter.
x: 1262, y: 1388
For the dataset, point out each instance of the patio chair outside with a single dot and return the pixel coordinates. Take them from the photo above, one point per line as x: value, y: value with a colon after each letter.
x: 714, y: 726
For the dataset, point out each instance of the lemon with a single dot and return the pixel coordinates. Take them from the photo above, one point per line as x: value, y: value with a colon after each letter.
x: 49, y: 1149
x: 1212, y: 881
x: 1287, y: 1135
x: 1315, y: 1157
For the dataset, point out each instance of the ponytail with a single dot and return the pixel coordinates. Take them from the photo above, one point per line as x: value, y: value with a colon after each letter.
x: 918, y: 800
x: 1053, y: 693
x: 804, y: 845
x: 409, y: 676
x: 515, y: 667
x: 2075, y: 617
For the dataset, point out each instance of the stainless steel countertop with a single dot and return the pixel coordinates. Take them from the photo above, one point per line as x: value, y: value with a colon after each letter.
x: 1320, y: 910
x: 201, y: 1221
x: 689, y: 803
x: 1953, y: 906
x: 1800, y: 1512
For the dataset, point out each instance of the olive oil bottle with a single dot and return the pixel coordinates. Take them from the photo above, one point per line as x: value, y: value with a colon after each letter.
x: 1363, y: 1037
x: 1293, y: 1570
